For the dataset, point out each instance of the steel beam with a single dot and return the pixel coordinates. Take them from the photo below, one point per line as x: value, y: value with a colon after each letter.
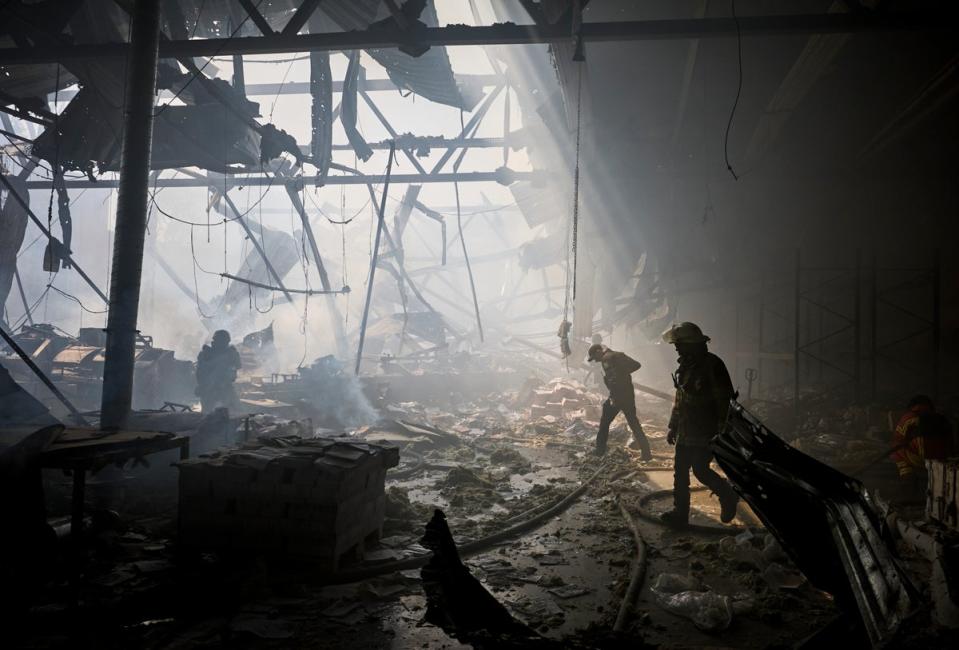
x: 307, y: 7
x: 303, y: 88
x: 508, y: 34
x: 263, y: 181
x: 130, y: 231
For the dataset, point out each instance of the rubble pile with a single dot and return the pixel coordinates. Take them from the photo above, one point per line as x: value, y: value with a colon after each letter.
x: 316, y: 500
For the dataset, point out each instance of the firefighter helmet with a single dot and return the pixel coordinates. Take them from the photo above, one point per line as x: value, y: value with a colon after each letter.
x: 684, y: 333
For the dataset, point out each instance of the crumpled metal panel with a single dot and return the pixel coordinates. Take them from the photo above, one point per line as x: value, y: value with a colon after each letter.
x: 207, y: 136
x: 824, y: 520
x: 430, y: 75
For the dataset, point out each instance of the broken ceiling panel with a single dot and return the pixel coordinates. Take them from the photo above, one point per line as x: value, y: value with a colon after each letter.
x: 206, y: 136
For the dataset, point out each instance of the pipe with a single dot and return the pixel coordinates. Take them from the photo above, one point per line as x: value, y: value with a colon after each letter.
x: 130, y: 230
x: 269, y: 287
x: 636, y: 575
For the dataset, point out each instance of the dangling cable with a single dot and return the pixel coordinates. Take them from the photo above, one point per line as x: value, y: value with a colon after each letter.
x: 579, y: 122
x: 739, y: 90
x: 571, y: 265
x: 466, y: 257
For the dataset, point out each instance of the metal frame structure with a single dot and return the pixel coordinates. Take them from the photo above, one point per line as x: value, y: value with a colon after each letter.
x: 794, y: 319
x: 404, y: 33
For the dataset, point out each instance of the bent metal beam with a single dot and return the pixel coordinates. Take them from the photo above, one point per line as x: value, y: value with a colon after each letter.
x: 507, y: 34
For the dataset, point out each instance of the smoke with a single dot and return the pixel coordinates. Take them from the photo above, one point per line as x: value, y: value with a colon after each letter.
x: 338, y: 394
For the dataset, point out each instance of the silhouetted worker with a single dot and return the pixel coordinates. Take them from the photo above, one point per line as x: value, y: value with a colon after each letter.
x: 617, y: 368
x: 921, y: 434
x: 703, y: 391
x: 216, y: 368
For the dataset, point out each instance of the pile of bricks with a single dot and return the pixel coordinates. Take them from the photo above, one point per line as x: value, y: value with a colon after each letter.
x: 563, y: 398
x: 314, y: 499
x: 942, y: 502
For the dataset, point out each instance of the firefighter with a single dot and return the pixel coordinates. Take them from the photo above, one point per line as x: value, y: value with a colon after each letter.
x: 216, y: 368
x: 617, y: 368
x: 703, y: 391
x: 921, y: 434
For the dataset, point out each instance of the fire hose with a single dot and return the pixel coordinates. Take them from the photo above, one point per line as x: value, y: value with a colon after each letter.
x: 477, y: 546
x: 636, y: 575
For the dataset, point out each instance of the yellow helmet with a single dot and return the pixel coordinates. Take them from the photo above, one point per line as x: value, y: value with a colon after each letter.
x: 684, y: 333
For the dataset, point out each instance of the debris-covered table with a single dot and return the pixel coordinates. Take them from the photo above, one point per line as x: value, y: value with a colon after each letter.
x: 80, y: 450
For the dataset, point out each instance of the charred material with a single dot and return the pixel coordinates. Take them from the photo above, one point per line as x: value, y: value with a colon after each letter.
x: 824, y: 520
x: 458, y: 603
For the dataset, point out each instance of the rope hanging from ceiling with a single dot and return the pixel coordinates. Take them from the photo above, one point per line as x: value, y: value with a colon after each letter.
x: 571, y: 264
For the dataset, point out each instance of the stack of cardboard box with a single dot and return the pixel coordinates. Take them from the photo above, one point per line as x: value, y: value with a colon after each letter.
x: 942, y: 503
x: 315, y: 499
x: 563, y: 398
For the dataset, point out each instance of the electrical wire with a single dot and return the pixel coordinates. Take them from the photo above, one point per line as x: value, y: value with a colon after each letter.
x: 77, y: 300
x: 225, y: 218
x: 334, y: 221
x: 279, y: 90
x: 739, y: 90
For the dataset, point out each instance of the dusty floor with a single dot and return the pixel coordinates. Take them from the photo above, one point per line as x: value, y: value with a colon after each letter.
x: 567, y: 575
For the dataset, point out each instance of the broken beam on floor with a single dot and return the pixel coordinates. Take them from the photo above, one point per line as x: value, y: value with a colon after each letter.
x: 507, y: 34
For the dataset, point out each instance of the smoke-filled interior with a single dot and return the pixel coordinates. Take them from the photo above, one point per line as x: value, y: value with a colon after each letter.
x: 550, y: 323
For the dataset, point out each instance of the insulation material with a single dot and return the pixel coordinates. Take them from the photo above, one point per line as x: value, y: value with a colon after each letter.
x: 206, y: 136
x: 348, y: 111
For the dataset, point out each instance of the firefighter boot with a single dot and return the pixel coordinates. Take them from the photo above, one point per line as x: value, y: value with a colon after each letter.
x: 675, y: 518
x: 643, y: 445
x: 728, y: 501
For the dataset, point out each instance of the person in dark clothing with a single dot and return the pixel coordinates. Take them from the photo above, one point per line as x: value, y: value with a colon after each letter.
x: 216, y: 368
x: 703, y: 392
x: 617, y: 368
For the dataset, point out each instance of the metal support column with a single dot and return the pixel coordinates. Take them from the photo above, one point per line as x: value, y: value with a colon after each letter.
x: 936, y: 322
x: 797, y: 303
x: 131, y: 216
x: 874, y: 327
x: 857, y: 330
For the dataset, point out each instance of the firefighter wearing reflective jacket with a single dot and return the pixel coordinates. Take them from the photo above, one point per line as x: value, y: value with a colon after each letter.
x: 921, y: 434
x: 703, y: 391
x: 617, y: 368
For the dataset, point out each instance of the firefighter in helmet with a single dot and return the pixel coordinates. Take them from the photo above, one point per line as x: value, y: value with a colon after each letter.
x: 703, y: 392
x: 216, y: 368
x: 617, y: 368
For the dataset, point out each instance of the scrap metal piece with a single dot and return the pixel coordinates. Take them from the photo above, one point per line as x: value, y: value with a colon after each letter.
x: 824, y: 520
